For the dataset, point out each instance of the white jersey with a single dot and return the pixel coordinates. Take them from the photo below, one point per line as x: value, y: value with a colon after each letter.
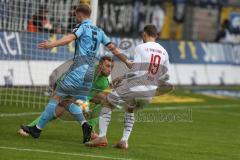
x: 140, y: 83
x: 150, y: 59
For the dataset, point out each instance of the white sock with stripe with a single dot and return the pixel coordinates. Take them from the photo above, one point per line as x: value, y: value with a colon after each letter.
x: 104, y: 120
x: 128, y: 125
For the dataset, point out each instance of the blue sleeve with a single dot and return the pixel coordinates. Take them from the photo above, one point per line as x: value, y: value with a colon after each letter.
x: 105, y: 39
x: 78, y: 31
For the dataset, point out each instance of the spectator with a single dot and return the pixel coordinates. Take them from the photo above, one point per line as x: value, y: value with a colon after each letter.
x: 225, y: 33
x: 39, y: 22
x: 57, y: 27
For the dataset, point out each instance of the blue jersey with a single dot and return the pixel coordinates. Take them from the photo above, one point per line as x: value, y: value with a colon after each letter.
x: 78, y: 80
x: 88, y: 39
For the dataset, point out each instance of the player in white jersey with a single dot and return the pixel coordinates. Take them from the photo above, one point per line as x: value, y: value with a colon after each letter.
x: 136, y: 88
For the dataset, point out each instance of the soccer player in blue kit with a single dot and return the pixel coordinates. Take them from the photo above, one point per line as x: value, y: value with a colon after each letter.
x: 77, y: 82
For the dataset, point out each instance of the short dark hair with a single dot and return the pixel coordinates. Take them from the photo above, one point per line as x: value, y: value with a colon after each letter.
x: 151, y: 30
x: 85, y: 9
x: 108, y: 58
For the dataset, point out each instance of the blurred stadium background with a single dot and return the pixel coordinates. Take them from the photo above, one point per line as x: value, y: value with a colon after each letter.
x: 202, y: 38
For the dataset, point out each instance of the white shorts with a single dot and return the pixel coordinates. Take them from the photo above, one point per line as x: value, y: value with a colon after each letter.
x: 134, y: 92
x: 129, y: 99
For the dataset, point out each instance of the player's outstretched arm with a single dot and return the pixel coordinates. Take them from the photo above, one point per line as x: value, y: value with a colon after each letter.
x: 116, y: 52
x: 63, y: 41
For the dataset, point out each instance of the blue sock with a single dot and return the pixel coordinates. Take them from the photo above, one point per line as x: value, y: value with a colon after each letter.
x: 77, y: 113
x: 48, y: 114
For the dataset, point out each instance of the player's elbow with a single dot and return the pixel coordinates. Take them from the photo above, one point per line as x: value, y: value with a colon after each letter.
x: 112, y: 47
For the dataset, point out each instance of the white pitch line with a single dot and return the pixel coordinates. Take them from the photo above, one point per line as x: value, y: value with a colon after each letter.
x: 19, y: 114
x: 142, y: 110
x: 191, y: 107
x: 61, y: 153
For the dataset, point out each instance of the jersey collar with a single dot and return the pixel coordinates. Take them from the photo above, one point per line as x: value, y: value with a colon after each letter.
x: 87, y: 21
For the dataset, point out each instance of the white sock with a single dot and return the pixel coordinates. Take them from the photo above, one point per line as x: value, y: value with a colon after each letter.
x: 104, y: 119
x: 38, y: 127
x: 128, y: 125
x: 83, y: 122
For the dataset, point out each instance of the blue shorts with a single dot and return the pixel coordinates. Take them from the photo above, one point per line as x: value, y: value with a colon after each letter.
x: 77, y: 82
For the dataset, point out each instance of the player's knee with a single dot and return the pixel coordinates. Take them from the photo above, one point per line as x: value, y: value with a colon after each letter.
x: 56, y: 98
x: 66, y: 102
x: 106, y: 103
x: 130, y: 110
x: 59, y: 111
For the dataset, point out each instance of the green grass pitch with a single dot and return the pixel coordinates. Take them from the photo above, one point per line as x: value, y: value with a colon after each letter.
x: 205, y: 129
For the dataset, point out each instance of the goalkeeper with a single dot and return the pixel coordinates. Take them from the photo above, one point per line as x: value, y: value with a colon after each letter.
x: 100, y: 83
